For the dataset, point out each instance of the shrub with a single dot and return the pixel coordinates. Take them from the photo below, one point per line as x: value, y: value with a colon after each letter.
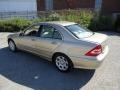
x: 53, y: 17
x: 102, y: 23
x: 37, y: 20
x: 12, y: 25
x: 117, y: 24
x: 83, y: 17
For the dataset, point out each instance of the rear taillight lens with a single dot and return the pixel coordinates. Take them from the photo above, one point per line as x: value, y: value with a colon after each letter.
x: 95, y: 51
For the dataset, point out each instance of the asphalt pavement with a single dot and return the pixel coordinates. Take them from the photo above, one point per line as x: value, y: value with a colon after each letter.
x: 30, y: 71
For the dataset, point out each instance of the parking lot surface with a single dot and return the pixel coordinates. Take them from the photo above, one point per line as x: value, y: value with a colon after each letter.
x: 39, y: 74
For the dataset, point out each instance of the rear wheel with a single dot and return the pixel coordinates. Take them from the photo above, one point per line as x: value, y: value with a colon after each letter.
x: 12, y: 45
x: 62, y: 62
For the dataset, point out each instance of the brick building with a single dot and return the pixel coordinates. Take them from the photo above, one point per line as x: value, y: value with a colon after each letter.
x: 64, y: 4
x: 73, y: 4
x: 111, y: 7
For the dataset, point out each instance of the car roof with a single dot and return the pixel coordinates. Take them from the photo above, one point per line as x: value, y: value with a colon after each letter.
x: 62, y: 23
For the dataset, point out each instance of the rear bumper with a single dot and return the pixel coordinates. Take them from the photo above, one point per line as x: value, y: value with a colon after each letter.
x: 90, y: 62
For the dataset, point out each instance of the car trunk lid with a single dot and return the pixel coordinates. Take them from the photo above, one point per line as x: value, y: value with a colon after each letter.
x: 98, y: 39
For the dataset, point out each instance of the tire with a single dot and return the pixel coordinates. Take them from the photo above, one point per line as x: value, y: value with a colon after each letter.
x: 62, y: 62
x: 12, y: 46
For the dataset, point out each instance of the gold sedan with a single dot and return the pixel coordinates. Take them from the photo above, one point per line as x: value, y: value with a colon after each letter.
x: 66, y: 44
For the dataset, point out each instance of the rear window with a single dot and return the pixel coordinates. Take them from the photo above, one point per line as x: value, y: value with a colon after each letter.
x: 79, y: 31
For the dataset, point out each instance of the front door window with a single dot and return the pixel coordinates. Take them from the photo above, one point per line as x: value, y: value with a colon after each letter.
x: 32, y: 31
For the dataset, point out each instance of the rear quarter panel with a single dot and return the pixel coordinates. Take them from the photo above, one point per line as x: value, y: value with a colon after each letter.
x: 75, y: 49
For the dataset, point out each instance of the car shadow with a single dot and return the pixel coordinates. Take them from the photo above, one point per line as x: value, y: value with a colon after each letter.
x: 39, y: 74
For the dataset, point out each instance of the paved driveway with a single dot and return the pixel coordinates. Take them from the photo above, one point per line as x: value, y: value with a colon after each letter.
x: 39, y: 74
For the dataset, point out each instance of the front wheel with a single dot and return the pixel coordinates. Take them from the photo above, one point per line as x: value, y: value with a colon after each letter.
x: 12, y: 46
x: 62, y: 62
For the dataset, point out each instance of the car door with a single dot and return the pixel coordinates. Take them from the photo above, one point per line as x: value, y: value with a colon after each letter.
x: 49, y: 39
x: 27, y: 40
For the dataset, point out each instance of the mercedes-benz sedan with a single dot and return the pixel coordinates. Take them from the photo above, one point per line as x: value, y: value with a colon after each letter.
x: 64, y: 43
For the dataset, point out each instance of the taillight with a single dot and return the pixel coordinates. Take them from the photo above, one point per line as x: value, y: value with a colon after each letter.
x: 95, y: 51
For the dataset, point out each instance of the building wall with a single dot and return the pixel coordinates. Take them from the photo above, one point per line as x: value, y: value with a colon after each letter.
x: 73, y: 4
x: 17, y: 5
x: 106, y: 6
x: 62, y: 4
x: 40, y: 5
x: 66, y: 4
x: 110, y: 6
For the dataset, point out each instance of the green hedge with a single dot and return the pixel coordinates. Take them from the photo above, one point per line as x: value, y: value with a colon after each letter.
x: 82, y: 17
x: 14, y: 25
x: 86, y: 18
x: 102, y: 23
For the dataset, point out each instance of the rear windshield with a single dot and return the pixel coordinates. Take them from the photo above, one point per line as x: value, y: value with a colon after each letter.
x: 79, y: 31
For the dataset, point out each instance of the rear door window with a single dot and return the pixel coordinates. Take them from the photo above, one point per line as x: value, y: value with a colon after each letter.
x: 48, y: 31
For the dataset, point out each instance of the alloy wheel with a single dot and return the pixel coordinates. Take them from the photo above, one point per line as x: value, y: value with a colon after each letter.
x: 62, y: 63
x: 11, y: 45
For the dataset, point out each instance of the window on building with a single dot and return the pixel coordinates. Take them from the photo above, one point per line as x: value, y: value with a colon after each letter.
x: 98, y: 4
x: 49, y: 4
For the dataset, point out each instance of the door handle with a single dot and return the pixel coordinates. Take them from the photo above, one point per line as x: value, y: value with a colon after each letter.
x: 54, y: 42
